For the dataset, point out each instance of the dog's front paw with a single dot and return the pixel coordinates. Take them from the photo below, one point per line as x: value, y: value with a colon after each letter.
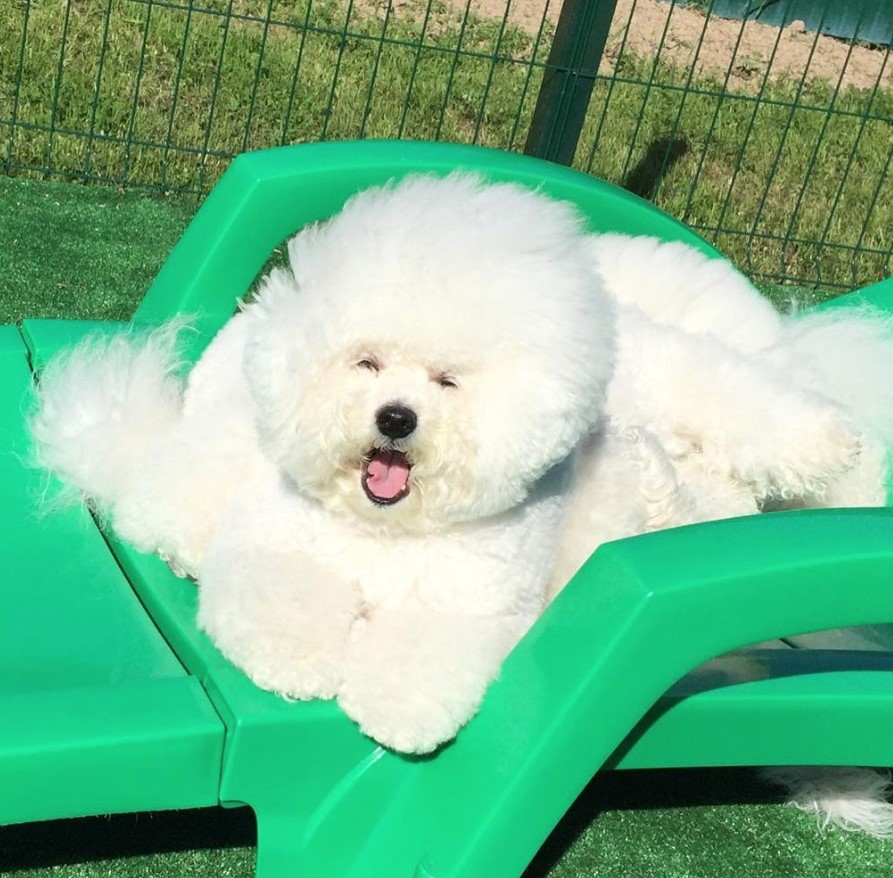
x: 844, y: 443
x: 296, y: 674
x: 412, y: 679
x: 282, y: 620
x: 407, y: 722
x: 296, y: 661
x: 833, y: 447
x: 811, y: 443
x: 400, y: 696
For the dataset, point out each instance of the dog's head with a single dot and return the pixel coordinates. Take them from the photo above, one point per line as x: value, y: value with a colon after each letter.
x: 435, y: 348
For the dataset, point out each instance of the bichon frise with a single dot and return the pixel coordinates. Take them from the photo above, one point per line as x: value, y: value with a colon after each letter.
x: 383, y: 466
x: 368, y: 470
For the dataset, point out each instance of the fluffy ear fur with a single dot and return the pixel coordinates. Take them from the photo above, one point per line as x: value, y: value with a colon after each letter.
x: 274, y: 359
x: 533, y: 412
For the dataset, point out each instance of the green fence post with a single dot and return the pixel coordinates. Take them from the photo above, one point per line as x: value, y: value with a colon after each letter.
x: 567, y: 83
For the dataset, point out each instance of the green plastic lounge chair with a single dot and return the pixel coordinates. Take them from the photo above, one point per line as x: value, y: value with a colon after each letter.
x: 113, y: 701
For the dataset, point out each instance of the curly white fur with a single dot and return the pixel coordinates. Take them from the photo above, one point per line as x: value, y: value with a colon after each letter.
x: 819, y: 379
x: 95, y: 425
x: 425, y: 295
x: 853, y: 799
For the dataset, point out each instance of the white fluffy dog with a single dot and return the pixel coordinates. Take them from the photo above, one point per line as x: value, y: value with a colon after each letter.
x: 368, y: 470
x: 382, y: 467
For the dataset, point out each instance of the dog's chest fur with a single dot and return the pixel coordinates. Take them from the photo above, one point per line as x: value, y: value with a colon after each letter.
x: 488, y: 568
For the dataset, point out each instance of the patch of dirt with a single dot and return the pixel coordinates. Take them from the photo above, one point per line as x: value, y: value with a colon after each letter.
x: 744, y: 51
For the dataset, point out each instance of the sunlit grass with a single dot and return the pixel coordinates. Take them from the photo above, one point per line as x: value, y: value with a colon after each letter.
x: 793, y: 185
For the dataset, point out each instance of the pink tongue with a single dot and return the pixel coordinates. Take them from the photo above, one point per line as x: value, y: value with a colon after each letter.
x: 388, y: 473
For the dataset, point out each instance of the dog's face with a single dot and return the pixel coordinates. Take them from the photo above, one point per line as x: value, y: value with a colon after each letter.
x: 436, y: 348
x: 388, y: 435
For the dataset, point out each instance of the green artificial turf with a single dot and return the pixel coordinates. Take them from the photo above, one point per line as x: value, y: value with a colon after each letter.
x: 81, y: 251
x: 75, y: 251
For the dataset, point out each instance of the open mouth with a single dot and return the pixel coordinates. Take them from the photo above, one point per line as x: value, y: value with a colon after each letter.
x: 385, y: 476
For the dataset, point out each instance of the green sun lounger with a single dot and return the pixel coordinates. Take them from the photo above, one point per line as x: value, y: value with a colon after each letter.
x: 112, y: 701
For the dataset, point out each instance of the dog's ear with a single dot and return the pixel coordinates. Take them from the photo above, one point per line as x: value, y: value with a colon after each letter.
x: 302, y: 249
x: 535, y: 405
x: 532, y: 420
x: 274, y: 352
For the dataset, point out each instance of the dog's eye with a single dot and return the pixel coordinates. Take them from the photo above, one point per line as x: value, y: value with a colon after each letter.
x: 369, y: 363
x: 444, y: 379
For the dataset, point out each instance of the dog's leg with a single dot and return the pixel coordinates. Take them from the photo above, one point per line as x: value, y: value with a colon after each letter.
x: 186, y: 483
x: 414, y: 677
x: 271, y: 608
x: 740, y: 418
x: 281, y: 618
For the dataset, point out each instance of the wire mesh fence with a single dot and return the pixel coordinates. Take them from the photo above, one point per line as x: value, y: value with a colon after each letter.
x: 774, y: 141
x: 162, y: 93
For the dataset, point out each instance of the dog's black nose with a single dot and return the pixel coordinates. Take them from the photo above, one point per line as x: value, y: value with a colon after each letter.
x: 396, y: 421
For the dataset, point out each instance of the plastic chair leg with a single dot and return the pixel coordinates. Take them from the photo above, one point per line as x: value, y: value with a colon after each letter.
x: 278, y: 843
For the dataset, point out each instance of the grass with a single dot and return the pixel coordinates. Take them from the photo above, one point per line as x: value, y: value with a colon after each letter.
x: 792, y: 184
x: 672, y: 824
x: 172, y: 91
x: 82, y: 252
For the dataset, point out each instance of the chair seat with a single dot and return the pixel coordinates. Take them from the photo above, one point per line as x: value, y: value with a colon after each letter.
x: 98, y: 714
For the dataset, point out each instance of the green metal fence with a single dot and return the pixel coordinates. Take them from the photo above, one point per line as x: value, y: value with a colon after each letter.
x: 772, y: 141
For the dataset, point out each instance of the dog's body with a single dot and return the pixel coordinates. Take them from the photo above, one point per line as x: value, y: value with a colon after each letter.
x: 382, y: 469
x: 842, y: 358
